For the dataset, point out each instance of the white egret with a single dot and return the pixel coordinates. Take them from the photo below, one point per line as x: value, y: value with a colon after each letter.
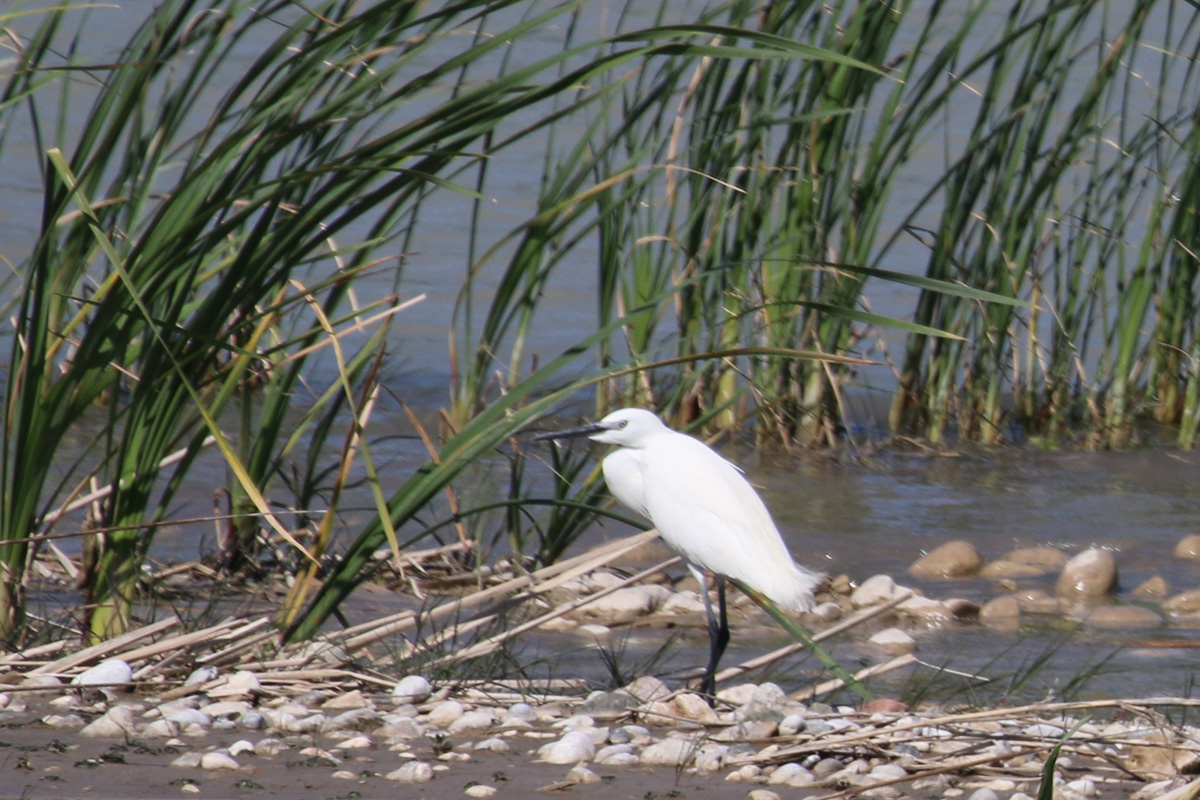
x: 704, y: 509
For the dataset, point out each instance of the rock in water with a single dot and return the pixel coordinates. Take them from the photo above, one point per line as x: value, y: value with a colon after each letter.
x: 1090, y: 574
x: 957, y: 559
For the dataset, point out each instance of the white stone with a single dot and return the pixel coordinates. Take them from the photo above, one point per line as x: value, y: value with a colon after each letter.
x: 412, y: 772
x: 161, y: 729
x: 445, y: 713
x: 113, y: 670
x: 189, y: 716
x: 791, y: 774
x: 622, y: 606
x: 187, y: 761
x: 117, y: 721
x: 894, y: 640
x: 202, y: 675
x: 493, y: 745
x: 355, y: 743
x: 669, y: 752
x: 480, y: 790
x: 582, y: 775
x: 63, y: 721
x: 888, y: 772
x: 218, y: 760
x: 412, y: 689
x: 873, y: 591
x: 760, y: 794
x: 470, y: 722
x: 241, y: 746
x: 573, y: 747
x: 239, y: 684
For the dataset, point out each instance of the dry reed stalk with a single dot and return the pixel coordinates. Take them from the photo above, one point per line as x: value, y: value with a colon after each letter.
x: 105, y: 648
x: 492, y: 642
x: 868, y: 672
x: 559, y: 572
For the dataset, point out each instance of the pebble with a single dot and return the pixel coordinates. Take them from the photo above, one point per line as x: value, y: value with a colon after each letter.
x: 411, y: 689
x: 894, y: 641
x: 573, y: 747
x: 112, y: 671
x: 242, y: 683
x: 469, y: 722
x: 1088, y: 575
x: 218, y: 760
x: 669, y: 752
x: 1002, y: 613
x: 446, y: 713
x: 762, y: 794
x: 791, y: 774
x: 1188, y: 546
x: 873, y: 591
x: 117, y: 721
x: 622, y: 606
x: 956, y: 559
x: 412, y: 772
x: 583, y: 776
x: 480, y: 790
x: 1123, y: 616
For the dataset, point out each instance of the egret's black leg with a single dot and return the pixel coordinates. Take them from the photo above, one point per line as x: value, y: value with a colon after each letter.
x: 718, y: 633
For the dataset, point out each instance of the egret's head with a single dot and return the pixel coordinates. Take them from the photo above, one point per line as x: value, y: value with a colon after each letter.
x: 629, y: 427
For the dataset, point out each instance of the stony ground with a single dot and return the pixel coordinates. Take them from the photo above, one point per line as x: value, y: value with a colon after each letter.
x: 121, y: 720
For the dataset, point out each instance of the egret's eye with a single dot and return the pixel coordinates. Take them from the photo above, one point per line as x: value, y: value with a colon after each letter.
x: 624, y: 423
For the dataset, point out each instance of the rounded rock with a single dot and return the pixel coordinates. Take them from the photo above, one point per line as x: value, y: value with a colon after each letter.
x: 1188, y: 546
x: 791, y: 774
x: 480, y: 790
x: 894, y: 641
x: 1003, y: 613
x: 622, y: 606
x: 1123, y: 617
x: 761, y: 794
x: 573, y: 747
x: 470, y: 722
x: 117, y: 721
x: 113, y: 670
x: 873, y: 591
x: 412, y: 689
x: 1155, y: 588
x: 955, y: 559
x: 412, y: 772
x: 446, y: 713
x: 1183, y: 603
x: 218, y: 760
x: 1088, y: 575
x: 669, y: 752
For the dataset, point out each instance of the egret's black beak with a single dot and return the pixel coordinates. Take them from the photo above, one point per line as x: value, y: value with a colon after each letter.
x: 571, y: 433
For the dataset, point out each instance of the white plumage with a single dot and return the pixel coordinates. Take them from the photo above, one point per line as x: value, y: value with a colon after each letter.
x: 702, y: 506
x: 704, y: 509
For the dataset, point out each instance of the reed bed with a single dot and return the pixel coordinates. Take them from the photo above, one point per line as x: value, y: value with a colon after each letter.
x: 751, y: 182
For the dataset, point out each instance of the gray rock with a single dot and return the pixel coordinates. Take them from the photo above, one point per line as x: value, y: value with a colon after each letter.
x: 216, y: 760
x: 1090, y: 574
x: 791, y: 774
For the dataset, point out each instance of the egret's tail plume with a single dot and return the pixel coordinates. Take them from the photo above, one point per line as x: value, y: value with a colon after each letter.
x: 797, y: 593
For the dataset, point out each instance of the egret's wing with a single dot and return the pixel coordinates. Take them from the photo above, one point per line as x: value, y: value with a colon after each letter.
x: 623, y: 474
x: 707, y: 511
